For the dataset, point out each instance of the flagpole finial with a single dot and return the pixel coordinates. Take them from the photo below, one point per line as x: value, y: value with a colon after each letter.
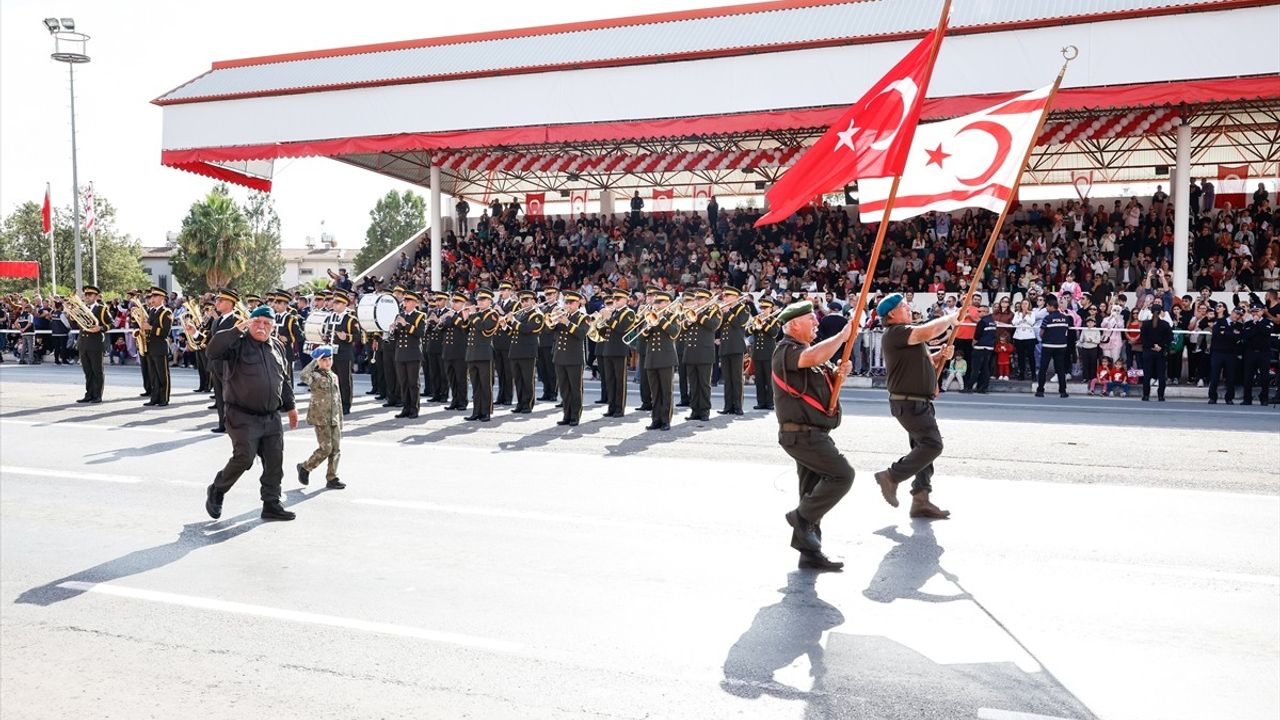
x: 1070, y: 52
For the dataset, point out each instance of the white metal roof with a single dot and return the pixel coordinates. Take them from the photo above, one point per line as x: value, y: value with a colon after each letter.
x: 744, y: 27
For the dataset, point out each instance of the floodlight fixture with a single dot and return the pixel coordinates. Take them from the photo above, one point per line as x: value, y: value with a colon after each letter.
x: 51, y: 24
x: 68, y: 24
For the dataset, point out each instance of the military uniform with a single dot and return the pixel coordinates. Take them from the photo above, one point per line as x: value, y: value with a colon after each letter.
x: 408, y: 343
x: 91, y: 344
x: 682, y: 349
x: 646, y: 396
x: 288, y: 329
x: 612, y: 354
x: 140, y: 342
x: 202, y: 355
x: 524, y: 353
x: 438, y: 385
x: 660, y: 360
x: 502, y: 350
x: 764, y: 338
x: 569, y: 359
x: 455, y: 357
x: 482, y: 326
x: 344, y: 354
x: 324, y: 414
x: 733, y: 346
x: 217, y: 367
x: 161, y: 321
x: 546, y: 361
x: 387, y: 352
x: 699, y: 356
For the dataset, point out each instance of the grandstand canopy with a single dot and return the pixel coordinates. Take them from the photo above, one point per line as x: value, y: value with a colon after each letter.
x: 728, y: 97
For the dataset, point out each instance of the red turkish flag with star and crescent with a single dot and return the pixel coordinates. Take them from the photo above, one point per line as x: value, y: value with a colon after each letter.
x: 869, y: 140
x: 971, y: 161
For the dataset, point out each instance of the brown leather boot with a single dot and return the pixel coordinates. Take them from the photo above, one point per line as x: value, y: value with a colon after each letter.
x: 922, y: 508
x: 888, y: 487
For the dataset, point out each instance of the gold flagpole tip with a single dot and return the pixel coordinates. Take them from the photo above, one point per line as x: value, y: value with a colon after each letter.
x: 1070, y: 52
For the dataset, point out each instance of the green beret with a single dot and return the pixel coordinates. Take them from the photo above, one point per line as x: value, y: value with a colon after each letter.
x: 888, y: 304
x: 795, y: 310
x: 262, y: 311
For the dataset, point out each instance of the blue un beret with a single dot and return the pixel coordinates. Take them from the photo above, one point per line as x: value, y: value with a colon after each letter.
x: 887, y: 305
x: 262, y: 311
x: 322, y: 351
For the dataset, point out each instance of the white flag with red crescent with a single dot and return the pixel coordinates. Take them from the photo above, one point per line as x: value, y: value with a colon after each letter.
x: 971, y: 161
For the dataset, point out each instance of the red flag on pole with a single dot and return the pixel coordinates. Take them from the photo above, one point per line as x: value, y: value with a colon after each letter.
x: 663, y: 199
x: 869, y: 140
x: 533, y: 203
x: 48, y: 211
x: 1232, y: 186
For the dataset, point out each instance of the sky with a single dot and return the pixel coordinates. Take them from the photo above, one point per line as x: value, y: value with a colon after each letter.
x: 140, y: 49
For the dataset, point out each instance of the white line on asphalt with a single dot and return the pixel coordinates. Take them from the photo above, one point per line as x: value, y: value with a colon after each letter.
x: 1184, y: 572
x: 515, y: 514
x: 12, y: 470
x: 990, y: 714
x: 294, y: 616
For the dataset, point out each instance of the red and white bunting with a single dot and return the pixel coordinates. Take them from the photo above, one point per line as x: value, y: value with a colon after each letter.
x: 1137, y: 122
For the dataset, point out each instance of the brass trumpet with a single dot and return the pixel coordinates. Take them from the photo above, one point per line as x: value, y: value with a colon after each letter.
x: 758, y: 322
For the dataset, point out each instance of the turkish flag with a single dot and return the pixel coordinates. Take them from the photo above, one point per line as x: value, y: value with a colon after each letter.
x: 577, y: 202
x: 663, y: 200
x: 869, y: 140
x: 971, y: 161
x: 533, y: 203
x: 701, y: 196
x: 1232, y: 186
x: 47, y: 213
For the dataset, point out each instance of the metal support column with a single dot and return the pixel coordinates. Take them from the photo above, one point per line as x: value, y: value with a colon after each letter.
x: 437, y: 250
x: 1182, y: 209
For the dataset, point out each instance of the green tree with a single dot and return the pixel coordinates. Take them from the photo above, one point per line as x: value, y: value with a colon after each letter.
x: 22, y: 238
x: 393, y: 220
x: 264, y: 262
x: 213, y: 245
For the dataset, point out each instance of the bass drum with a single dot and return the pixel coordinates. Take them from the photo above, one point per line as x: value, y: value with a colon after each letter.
x: 377, y: 311
x: 317, y: 327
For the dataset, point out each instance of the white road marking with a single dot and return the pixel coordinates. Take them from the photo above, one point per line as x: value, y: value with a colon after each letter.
x: 1184, y: 572
x: 100, y: 477
x: 990, y: 714
x: 294, y: 616
x: 518, y: 515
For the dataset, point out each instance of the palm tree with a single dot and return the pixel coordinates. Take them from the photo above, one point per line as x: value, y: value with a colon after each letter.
x: 215, y: 238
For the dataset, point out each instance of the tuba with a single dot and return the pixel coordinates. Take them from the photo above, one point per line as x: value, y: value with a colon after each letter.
x: 139, y: 317
x: 195, y: 339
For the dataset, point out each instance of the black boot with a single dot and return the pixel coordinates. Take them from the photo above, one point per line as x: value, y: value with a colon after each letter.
x: 818, y: 561
x: 273, y: 510
x: 804, y: 535
x: 304, y: 475
x: 213, y: 500
x: 335, y: 484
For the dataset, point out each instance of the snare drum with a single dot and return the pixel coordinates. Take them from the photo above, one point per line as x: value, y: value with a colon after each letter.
x: 318, y: 327
x: 377, y: 311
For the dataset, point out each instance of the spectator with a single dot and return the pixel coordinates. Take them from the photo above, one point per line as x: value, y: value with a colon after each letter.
x: 1087, y: 347
x: 1101, y: 377
x: 1024, y: 340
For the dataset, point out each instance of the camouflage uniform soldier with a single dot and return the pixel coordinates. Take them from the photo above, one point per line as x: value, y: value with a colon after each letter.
x: 325, y: 414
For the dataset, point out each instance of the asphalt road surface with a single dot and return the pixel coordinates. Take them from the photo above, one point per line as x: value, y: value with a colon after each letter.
x: 1107, y: 559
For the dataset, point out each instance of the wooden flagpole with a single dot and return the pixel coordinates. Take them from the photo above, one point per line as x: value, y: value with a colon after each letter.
x: 856, y: 316
x: 1013, y: 193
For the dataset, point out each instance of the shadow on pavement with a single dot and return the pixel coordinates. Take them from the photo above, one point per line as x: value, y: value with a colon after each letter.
x: 109, y: 456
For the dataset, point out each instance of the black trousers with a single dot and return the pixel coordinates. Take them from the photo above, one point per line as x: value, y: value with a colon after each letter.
x: 1218, y: 363
x: 522, y: 378
x: 613, y: 381
x: 481, y: 376
x: 438, y: 389
x: 1060, y: 366
x: 1197, y: 366
x: 700, y: 389
x: 917, y: 418
x: 342, y: 368
x: 731, y: 372
x: 825, y: 475
x: 685, y: 371
x: 660, y: 381
x: 1088, y: 361
x: 218, y: 403
x: 1154, y: 368
x: 764, y: 379
x: 91, y: 365
x: 569, y: 380
x: 980, y: 369
x: 158, y: 370
x: 145, y: 363
x: 547, y: 373
x: 1255, y: 363
x: 202, y: 371
x: 1024, y: 358
x: 502, y: 365
x: 391, y: 374
x: 646, y: 390
x: 596, y: 364
x: 254, y: 436
x: 378, y: 376
x: 406, y: 378
x: 456, y: 369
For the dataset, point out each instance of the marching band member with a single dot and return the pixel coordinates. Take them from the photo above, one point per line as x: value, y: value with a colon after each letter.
x: 253, y: 302
x: 139, y: 340
x: 646, y: 395
x: 546, y: 348
x: 207, y: 318
x: 764, y: 338
x: 505, y: 304
x: 224, y: 304
x: 455, y: 352
x: 612, y: 354
x: 570, y: 356
x: 660, y: 358
x: 682, y: 349
x: 91, y: 344
x: 344, y: 354
x: 410, y: 326
x: 288, y: 330
x: 437, y: 382
x: 733, y: 345
x: 482, y: 325
x: 158, y: 326
x: 525, y: 331
x: 387, y: 353
x: 701, y: 354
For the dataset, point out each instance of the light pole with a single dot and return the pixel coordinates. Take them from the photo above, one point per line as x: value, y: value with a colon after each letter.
x: 68, y: 47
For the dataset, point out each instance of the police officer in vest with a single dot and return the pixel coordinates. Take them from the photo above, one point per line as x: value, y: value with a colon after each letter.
x: 455, y: 352
x: 344, y: 337
x: 91, y: 344
x: 1053, y: 346
x: 570, y: 356
x: 525, y: 331
x: 804, y: 382
x: 1256, y: 343
x: 482, y: 326
x: 765, y: 329
x: 733, y: 346
x: 660, y: 358
x: 984, y: 346
x: 1157, y: 335
x: 407, y: 338
x: 1224, y: 345
x: 700, y: 354
x: 504, y: 304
